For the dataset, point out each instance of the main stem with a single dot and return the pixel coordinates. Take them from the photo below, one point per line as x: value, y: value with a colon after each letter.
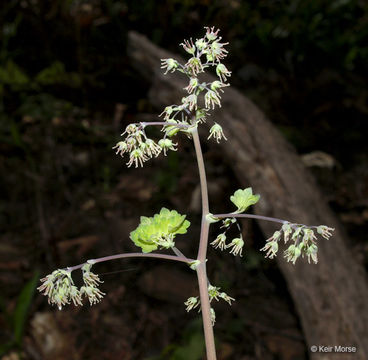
x: 202, y: 251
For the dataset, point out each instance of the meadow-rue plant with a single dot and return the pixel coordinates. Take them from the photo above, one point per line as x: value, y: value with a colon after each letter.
x: 160, y: 230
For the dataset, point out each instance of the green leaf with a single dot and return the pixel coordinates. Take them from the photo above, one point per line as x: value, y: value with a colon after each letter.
x: 23, y: 304
x: 242, y: 199
x: 12, y: 75
x: 159, y: 230
x: 56, y: 74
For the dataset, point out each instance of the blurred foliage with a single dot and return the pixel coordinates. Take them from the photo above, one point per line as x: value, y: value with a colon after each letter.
x: 17, y: 319
x: 193, y: 348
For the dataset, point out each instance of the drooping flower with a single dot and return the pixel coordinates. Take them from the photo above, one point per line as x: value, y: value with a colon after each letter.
x: 90, y: 278
x: 190, y: 101
x: 169, y: 65
x: 226, y: 297
x: 193, y: 83
x: 121, y: 147
x: 211, y: 98
x: 194, y: 66
x: 287, y: 229
x: 213, y: 316
x: 309, y: 236
x: 59, y: 288
x: 237, y: 246
x: 217, y: 51
x: 311, y: 253
x: 152, y: 149
x: 271, y: 247
x: 167, y: 144
x: 192, y: 303
x: 292, y: 253
x: 222, y: 72
x: 217, y: 85
x: 219, y: 242
x: 93, y: 294
x: 325, y: 231
x: 137, y: 157
x: 167, y: 111
x: 217, y: 133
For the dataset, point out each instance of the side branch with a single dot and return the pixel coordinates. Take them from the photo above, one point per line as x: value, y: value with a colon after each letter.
x: 161, y: 123
x: 250, y: 216
x: 133, y: 255
x: 260, y: 217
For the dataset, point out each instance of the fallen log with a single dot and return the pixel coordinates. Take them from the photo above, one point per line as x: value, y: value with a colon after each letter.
x: 330, y: 297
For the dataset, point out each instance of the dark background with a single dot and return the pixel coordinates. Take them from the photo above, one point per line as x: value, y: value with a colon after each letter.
x: 67, y: 89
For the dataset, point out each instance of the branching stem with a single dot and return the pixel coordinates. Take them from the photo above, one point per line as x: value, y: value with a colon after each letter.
x: 250, y: 216
x: 133, y: 255
x: 162, y: 123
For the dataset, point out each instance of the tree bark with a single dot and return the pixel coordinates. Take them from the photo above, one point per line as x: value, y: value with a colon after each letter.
x: 330, y: 297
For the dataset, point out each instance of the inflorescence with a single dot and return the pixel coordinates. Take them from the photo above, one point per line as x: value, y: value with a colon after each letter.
x: 205, y: 53
x: 214, y: 293
x: 303, y: 240
x: 60, y: 289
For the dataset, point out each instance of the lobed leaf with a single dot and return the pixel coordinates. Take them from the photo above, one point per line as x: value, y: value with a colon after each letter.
x: 159, y: 230
x: 242, y: 199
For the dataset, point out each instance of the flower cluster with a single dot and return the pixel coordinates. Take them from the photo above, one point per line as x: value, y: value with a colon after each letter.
x: 138, y: 145
x: 205, y: 52
x: 236, y: 245
x: 214, y: 293
x: 60, y: 289
x: 303, y: 240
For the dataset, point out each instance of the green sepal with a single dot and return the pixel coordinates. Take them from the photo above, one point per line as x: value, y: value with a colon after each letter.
x: 242, y: 199
x: 159, y: 230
